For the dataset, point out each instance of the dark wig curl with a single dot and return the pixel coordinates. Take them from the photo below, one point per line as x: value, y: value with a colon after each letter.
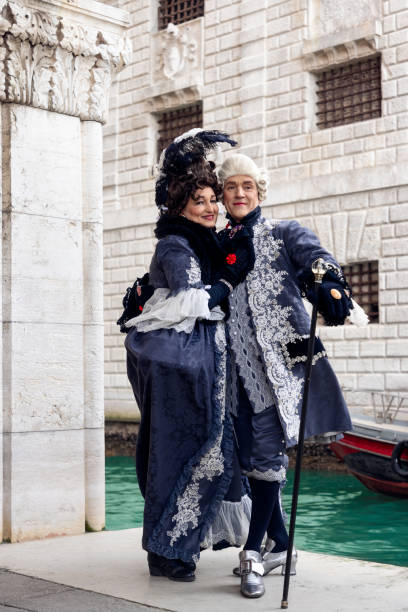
x: 181, y: 187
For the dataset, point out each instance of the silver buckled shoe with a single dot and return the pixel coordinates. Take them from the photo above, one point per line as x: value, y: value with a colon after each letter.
x: 251, y: 572
x: 271, y: 560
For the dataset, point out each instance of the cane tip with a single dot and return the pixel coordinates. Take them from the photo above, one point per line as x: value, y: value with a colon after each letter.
x: 284, y: 604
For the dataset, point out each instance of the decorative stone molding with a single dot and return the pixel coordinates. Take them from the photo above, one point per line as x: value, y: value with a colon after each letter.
x: 177, y: 56
x: 50, y: 62
x: 342, y: 46
x: 173, y: 99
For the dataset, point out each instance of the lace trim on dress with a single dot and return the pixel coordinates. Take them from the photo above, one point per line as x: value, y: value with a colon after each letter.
x: 193, y: 272
x: 210, y: 465
x: 231, y: 524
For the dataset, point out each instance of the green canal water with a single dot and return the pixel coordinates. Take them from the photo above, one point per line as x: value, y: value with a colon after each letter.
x: 336, y: 514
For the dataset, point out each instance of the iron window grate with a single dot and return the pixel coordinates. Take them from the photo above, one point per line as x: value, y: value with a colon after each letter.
x: 172, y: 123
x: 179, y: 11
x: 363, y: 280
x: 349, y: 93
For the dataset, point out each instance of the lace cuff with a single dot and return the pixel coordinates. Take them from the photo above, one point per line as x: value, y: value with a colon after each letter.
x: 231, y: 524
x: 179, y: 312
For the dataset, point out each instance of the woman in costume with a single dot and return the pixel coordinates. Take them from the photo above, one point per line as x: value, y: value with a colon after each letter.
x: 177, y: 366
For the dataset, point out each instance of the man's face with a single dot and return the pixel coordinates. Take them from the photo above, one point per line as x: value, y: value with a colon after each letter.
x: 240, y: 196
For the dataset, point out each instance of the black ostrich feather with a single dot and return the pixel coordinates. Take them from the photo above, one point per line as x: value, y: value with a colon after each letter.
x: 180, y: 155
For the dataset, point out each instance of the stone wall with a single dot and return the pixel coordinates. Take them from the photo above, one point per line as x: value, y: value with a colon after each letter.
x: 256, y: 76
x: 56, y: 63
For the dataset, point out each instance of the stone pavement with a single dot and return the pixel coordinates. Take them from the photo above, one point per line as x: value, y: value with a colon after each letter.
x: 19, y: 593
x: 107, y: 571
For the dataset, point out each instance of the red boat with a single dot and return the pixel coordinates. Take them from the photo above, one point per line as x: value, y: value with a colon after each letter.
x: 377, y: 452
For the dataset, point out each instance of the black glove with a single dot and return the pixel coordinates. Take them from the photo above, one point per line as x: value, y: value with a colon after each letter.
x: 334, y: 296
x: 239, y: 255
x: 218, y: 292
x: 134, y: 301
x: 333, y: 303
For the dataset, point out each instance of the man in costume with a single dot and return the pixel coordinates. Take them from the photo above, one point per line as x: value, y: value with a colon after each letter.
x: 268, y: 330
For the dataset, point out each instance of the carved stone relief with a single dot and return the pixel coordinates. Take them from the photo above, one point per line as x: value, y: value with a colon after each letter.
x: 177, y: 52
x: 101, y: 81
x: 49, y: 62
x: 28, y: 72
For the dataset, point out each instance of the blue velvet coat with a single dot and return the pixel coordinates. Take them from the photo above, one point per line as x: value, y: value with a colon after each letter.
x: 269, y: 330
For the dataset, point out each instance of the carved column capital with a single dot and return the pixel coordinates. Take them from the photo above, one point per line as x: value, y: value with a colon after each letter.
x: 51, y: 61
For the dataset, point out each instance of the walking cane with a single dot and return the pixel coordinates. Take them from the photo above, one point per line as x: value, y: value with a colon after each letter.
x: 319, y: 269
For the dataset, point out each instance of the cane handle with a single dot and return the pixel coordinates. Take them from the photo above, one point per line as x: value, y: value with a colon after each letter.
x: 319, y: 269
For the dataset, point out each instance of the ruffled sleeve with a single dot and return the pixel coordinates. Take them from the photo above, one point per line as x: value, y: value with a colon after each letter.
x: 185, y: 300
x: 179, y: 312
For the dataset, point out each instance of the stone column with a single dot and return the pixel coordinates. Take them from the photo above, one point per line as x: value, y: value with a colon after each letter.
x: 56, y: 63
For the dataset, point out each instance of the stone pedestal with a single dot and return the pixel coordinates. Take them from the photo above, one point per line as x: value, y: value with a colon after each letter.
x: 56, y: 62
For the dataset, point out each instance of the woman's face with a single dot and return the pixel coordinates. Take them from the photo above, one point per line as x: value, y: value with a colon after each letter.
x: 202, y: 207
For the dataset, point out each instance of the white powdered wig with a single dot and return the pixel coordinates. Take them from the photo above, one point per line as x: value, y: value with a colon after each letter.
x: 244, y: 165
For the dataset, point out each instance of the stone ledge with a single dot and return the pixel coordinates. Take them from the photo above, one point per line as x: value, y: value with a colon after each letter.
x: 88, y: 8
x: 165, y: 96
x: 339, y: 183
x: 342, y: 46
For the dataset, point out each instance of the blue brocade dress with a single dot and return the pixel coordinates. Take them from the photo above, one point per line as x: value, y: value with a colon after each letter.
x: 177, y: 366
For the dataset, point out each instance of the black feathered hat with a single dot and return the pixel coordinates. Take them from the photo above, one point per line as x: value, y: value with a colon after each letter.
x: 184, y: 151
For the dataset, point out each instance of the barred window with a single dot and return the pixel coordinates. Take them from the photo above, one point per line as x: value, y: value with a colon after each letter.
x: 172, y: 123
x: 179, y: 11
x: 349, y: 93
x: 363, y: 280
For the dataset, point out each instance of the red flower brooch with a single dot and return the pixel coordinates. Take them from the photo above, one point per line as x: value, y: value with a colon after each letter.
x: 231, y: 259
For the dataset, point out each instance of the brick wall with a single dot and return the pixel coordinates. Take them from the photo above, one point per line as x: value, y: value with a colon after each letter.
x: 348, y: 182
